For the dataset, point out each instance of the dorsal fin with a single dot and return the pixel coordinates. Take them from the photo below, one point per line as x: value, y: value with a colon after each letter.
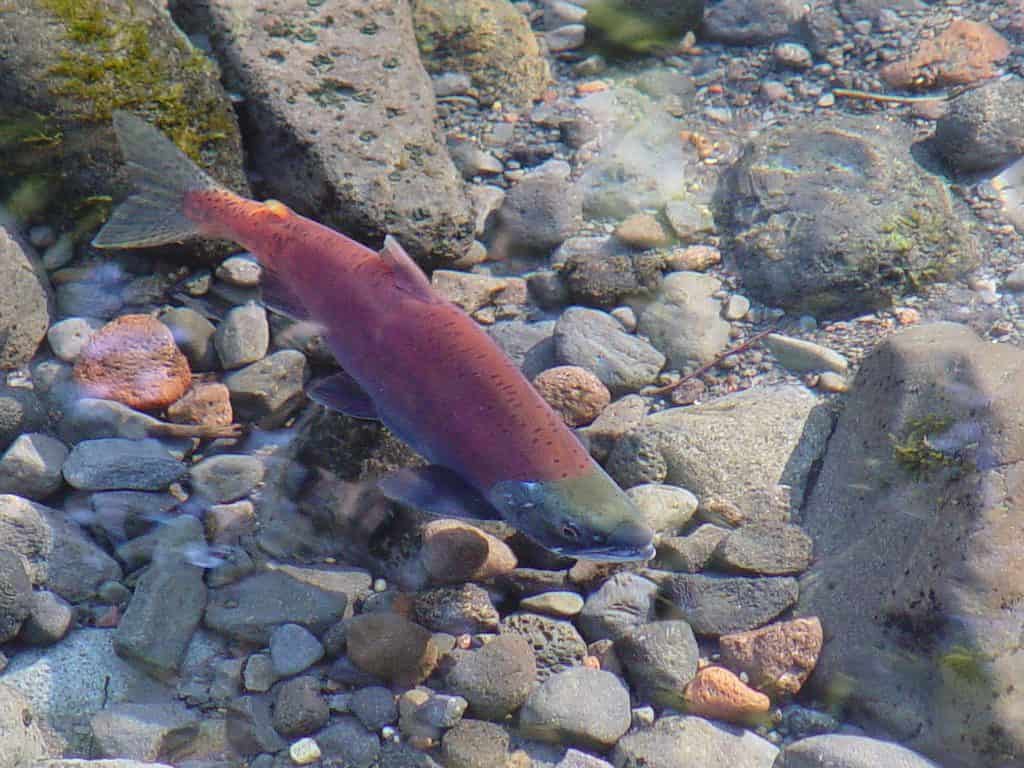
x: 407, y: 273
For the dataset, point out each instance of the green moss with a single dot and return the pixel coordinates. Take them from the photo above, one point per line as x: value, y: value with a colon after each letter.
x: 28, y: 128
x: 965, y: 665
x: 112, y: 65
x: 914, y: 453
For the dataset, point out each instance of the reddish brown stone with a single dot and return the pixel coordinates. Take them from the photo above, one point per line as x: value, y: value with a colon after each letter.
x: 717, y: 693
x: 778, y: 658
x: 454, y: 552
x: 964, y: 53
x: 134, y: 361
x: 206, y: 403
x: 575, y: 393
x: 391, y: 647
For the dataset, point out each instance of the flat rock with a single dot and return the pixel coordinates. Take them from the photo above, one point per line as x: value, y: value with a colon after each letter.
x: 110, y: 464
x: 268, y: 392
x: 770, y: 548
x: 23, y: 741
x: 557, y: 645
x: 660, y: 659
x: 584, y: 707
x: 624, y: 601
x: 226, y: 477
x: 145, y: 731
x: 843, y: 751
x: 716, y: 605
x: 682, y: 740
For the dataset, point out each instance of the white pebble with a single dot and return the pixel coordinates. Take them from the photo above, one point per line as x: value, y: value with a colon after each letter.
x: 304, y: 751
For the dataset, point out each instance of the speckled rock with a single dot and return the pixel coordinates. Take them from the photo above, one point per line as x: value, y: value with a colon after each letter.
x: 718, y: 694
x: 21, y: 411
x: 472, y: 292
x: 660, y: 659
x: 347, y: 740
x: 391, y: 647
x: 584, y: 707
x: 31, y: 466
x: 641, y: 230
x: 134, y: 361
x: 117, y: 464
x: 207, y: 403
x: 624, y: 601
x: 475, y: 744
x: 463, y: 609
x: 494, y: 679
x: 981, y: 130
x: 145, y: 731
x: 299, y: 708
x: 614, y: 422
x: 375, y: 707
x: 539, y: 212
x: 557, y: 645
x: 777, y: 658
x: 575, y: 393
x: 23, y: 740
x: 26, y: 302
x: 455, y: 551
x: 717, y: 605
x: 665, y: 508
x: 15, y: 595
x: 268, y: 392
x: 774, y: 549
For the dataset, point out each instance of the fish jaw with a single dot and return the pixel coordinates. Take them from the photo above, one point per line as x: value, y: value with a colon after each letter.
x: 587, y: 516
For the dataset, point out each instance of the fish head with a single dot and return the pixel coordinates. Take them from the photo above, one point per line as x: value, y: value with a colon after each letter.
x: 586, y: 517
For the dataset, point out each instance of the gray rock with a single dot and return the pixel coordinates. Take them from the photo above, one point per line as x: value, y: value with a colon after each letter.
x: 707, y: 448
x: 716, y: 605
x: 15, y: 595
x: 801, y: 721
x: 171, y: 586
x: 226, y: 477
x: 89, y: 297
x: 243, y: 336
x: 347, y: 741
x: 23, y: 741
x: 250, y: 729
x: 774, y: 549
x: 981, y: 130
x: 89, y: 676
x: 540, y: 211
x: 20, y: 412
x: 856, y: 224
x: 268, y: 392
x: 660, y: 658
x: 193, y: 334
x: 91, y: 419
x: 361, y: 123
x: 933, y: 452
x: 31, y: 466
x: 684, y: 320
x: 665, y: 508
x: 595, y: 340
x: 126, y: 514
x: 250, y: 609
x: 735, y: 21
x: 299, y: 709
x: 842, y: 751
x: 473, y: 161
x: 465, y: 609
x: 294, y: 649
x: 259, y: 675
x: 689, y: 222
x: 442, y: 711
x: 624, y: 601
x: 25, y: 301
x: 689, y: 553
x: 576, y: 759
x: 495, y: 679
x: 475, y: 744
x: 556, y: 644
x: 799, y: 355
x: 529, y: 345
x: 580, y: 706
x: 49, y: 620
x: 59, y: 556
x: 68, y: 337
x: 241, y: 270
x: 147, y: 731
x: 112, y: 464
x: 614, y: 422
x: 674, y: 741
x: 566, y: 38
x: 375, y: 707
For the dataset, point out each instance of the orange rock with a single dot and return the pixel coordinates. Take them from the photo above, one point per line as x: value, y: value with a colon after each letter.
x: 575, y: 393
x: 206, y: 403
x: 135, y: 361
x: 455, y: 551
x: 964, y: 53
x: 696, y: 258
x: 717, y: 693
x: 778, y: 658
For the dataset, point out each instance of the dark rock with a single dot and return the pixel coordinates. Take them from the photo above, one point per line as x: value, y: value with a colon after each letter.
x: 294, y: 649
x: 465, y: 609
x: 603, y: 277
x: 539, y: 212
x: 26, y: 301
x: 982, y: 130
x: 391, y: 647
x: 193, y: 334
x: 226, y: 477
x: 556, y: 644
x: 31, y: 466
x: 774, y: 549
x: 347, y: 741
x: 375, y: 707
x: 475, y: 744
x: 299, y: 709
x: 118, y: 464
x: 584, y: 707
x: 716, y: 605
x: 743, y: 23
x: 660, y: 658
x: 625, y: 601
x: 20, y: 412
x: 15, y: 595
x: 268, y: 391
x: 495, y: 679
x: 250, y: 729
x: 674, y: 741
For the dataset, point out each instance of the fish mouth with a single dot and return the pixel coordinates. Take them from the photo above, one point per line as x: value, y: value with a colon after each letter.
x: 609, y: 554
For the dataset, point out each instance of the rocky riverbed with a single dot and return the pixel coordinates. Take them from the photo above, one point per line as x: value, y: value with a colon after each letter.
x: 750, y: 252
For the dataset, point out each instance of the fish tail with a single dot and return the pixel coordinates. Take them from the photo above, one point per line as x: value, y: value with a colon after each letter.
x: 163, y: 176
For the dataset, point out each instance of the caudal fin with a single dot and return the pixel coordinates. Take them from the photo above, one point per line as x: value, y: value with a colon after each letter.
x: 162, y: 174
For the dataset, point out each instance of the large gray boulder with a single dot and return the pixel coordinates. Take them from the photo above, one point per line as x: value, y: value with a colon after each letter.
x: 26, y: 301
x: 340, y: 117
x: 917, y: 519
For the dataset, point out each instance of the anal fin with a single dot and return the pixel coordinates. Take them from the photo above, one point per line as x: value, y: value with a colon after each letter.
x: 438, y: 491
x: 340, y: 392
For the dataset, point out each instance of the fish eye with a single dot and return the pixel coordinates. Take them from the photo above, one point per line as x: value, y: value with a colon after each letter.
x: 570, y: 531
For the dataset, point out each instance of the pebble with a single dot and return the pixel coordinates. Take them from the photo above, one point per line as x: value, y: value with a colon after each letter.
x: 442, y: 711
x: 134, y: 361
x: 259, y: 674
x: 375, y: 707
x: 830, y: 381
x: 473, y: 161
x: 736, y: 308
x: 718, y: 694
x: 31, y: 466
x: 689, y: 553
x: 679, y: 741
x: 119, y: 464
x: 777, y: 658
x: 717, y: 605
x: 557, y: 604
x: 799, y: 355
x: 486, y: 199
x: 542, y: 209
x: 660, y: 659
x: 582, y: 707
x: 242, y: 336
x: 226, y: 477
x: 347, y: 742
x: 49, y: 619
x: 801, y: 721
x: 304, y: 751
x: 696, y: 258
x: 566, y: 38
x: 849, y: 751
x: 475, y: 744
x: 495, y: 679
x: 451, y: 83
x: 624, y: 601
x: 193, y: 334
x: 690, y: 222
x: 454, y: 551
x: 206, y: 403
x: 792, y: 55
x: 299, y: 708
x: 557, y: 645
x: 473, y: 292
x: 391, y: 647
x: 614, y: 422
x: 68, y: 337
x: 665, y: 508
x: 558, y: 13
x: 457, y: 610
x: 771, y: 548
x: 576, y: 394
x: 243, y: 271
x: 293, y: 649
x: 268, y: 391
x: 641, y: 230
x: 626, y: 316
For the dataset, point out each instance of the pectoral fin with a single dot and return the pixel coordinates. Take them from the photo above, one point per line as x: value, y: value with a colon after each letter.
x: 438, y: 491
x: 340, y: 392
x: 278, y: 297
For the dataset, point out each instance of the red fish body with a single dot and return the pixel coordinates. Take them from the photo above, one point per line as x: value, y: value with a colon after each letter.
x: 415, y: 361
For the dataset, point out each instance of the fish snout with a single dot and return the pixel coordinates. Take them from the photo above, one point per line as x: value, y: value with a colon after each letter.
x: 632, y: 540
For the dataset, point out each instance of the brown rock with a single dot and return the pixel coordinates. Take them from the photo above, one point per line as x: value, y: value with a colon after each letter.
x: 454, y: 551
x: 717, y: 693
x: 135, y: 361
x: 641, y: 230
x: 696, y: 258
x: 778, y: 658
x: 962, y: 54
x: 575, y: 393
x: 206, y: 403
x: 391, y: 647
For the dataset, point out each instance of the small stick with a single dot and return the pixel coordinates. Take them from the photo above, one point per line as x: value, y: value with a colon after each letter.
x: 705, y: 368
x: 214, y: 431
x: 884, y: 98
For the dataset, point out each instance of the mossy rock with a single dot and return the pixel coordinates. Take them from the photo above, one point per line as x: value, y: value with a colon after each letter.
x: 636, y: 27
x: 489, y: 40
x: 65, y: 66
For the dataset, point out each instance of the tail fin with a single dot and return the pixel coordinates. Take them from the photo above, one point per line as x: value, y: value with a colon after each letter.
x: 1010, y: 186
x: 162, y: 174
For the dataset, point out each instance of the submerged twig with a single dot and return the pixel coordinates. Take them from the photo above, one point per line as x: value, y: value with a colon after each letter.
x: 202, y: 431
x: 708, y: 366
x: 850, y: 93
